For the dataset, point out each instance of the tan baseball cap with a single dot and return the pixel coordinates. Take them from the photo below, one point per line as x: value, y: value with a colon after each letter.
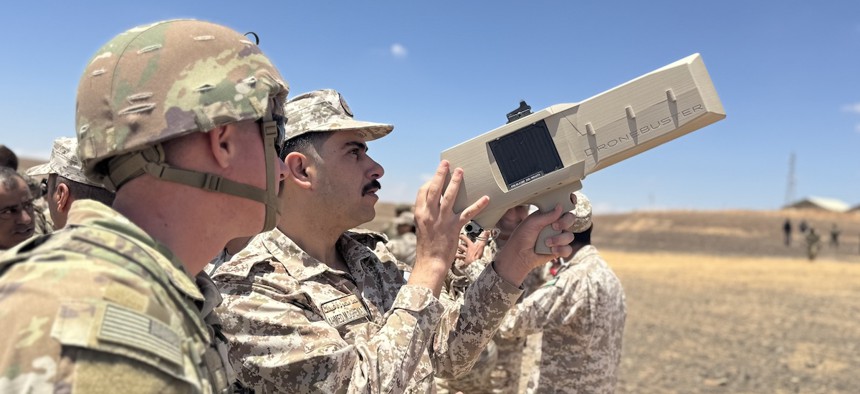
x: 64, y: 162
x: 581, y: 214
x: 326, y: 110
x: 405, y: 218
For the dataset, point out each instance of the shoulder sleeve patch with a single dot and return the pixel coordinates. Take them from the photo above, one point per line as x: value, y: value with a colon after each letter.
x: 130, y: 328
x: 105, y: 326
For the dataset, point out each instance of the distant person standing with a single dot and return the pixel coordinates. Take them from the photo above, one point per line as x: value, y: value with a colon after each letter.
x: 403, y: 245
x: 786, y: 228
x: 390, y: 229
x: 834, y: 236
x: 803, y: 227
x: 813, y: 244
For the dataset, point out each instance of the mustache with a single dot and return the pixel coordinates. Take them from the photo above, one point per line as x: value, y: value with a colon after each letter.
x: 374, y: 184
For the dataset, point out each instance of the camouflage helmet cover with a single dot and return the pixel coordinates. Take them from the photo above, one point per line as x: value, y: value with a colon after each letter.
x: 157, y: 82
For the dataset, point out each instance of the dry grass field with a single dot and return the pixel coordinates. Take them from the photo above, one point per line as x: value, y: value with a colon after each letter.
x: 718, y: 304
x: 710, y: 324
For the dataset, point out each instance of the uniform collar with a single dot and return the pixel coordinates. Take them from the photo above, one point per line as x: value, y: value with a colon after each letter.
x: 581, y: 255
x: 90, y: 213
x: 274, y: 247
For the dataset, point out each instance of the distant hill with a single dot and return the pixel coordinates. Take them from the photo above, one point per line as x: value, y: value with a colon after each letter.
x: 726, y: 233
x: 26, y: 162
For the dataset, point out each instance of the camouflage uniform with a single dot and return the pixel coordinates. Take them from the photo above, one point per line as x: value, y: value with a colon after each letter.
x: 403, y: 249
x: 498, y: 367
x: 813, y: 244
x: 296, y: 325
x: 581, y: 314
x: 41, y: 218
x: 101, y: 306
x: 132, y: 320
x: 503, y: 375
x: 219, y: 260
x: 402, y: 246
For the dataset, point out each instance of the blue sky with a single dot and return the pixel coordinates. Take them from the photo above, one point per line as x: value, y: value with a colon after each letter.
x: 788, y: 74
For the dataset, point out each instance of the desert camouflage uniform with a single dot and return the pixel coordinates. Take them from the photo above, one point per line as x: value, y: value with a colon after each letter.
x: 219, y: 260
x: 296, y: 325
x: 42, y: 218
x: 504, y: 373
x: 813, y: 244
x: 498, y: 367
x: 581, y: 314
x: 403, y: 249
x: 403, y: 246
x: 103, y: 307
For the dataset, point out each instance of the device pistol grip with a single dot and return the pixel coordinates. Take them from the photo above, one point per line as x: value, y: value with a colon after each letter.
x: 547, y: 202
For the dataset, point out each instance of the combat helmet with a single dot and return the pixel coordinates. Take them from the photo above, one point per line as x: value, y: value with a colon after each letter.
x: 157, y: 82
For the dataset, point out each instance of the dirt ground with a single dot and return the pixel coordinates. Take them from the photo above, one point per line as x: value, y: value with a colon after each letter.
x: 707, y: 324
x: 718, y: 304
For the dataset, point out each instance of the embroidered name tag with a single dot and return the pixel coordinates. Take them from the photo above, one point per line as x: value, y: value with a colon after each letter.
x: 343, y: 310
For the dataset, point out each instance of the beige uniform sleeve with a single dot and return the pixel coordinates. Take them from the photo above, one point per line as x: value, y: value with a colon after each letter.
x: 280, y: 343
x: 469, y: 325
x: 562, y: 303
x: 461, y: 275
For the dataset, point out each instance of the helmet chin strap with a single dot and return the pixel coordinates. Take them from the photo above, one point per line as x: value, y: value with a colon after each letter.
x: 151, y: 161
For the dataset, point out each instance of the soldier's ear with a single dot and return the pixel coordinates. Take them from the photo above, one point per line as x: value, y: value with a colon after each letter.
x: 222, y: 142
x: 299, y: 169
x: 62, y: 196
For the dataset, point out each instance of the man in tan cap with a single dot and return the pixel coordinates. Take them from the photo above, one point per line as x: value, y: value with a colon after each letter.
x: 581, y: 312
x: 313, y: 307
x: 66, y: 182
x: 498, y: 370
x: 402, y: 245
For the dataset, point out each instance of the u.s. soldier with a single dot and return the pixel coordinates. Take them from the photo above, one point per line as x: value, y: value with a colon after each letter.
x: 181, y: 119
x: 311, y: 307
